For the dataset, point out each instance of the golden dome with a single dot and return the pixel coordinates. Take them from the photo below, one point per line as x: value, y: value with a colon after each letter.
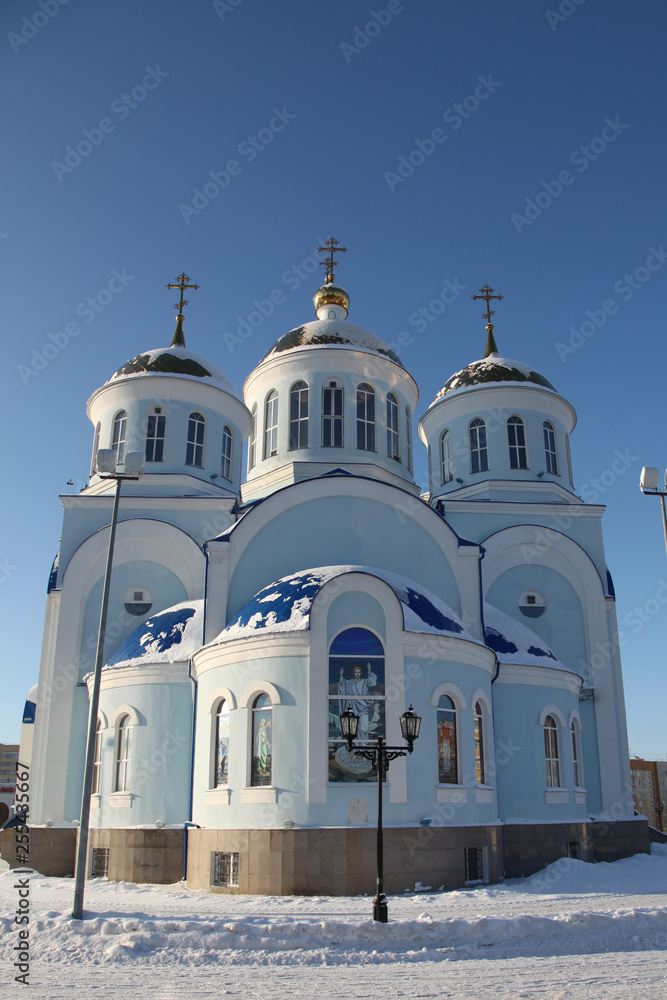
x: 331, y: 295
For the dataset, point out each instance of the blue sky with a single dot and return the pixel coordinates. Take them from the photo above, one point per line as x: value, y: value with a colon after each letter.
x: 547, y: 182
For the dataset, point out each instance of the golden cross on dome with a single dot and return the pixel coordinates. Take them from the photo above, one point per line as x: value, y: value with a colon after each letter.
x: 330, y: 262
x: 182, y: 284
x: 486, y: 294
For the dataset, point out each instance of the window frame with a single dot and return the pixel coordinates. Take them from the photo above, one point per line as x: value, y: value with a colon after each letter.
x: 454, y: 710
x: 122, y: 755
x: 157, y: 437
x: 299, y: 400
x: 118, y: 432
x: 96, y: 448
x: 479, y: 730
x: 333, y: 420
x: 252, y: 440
x: 97, y: 760
x: 393, y: 439
x: 270, y: 449
x: 194, y: 447
x: 223, y: 709
x: 226, y: 452
x: 550, y: 452
x: 408, y: 438
x: 516, y: 443
x: 478, y: 446
x: 551, y: 743
x: 256, y: 708
x: 366, y: 424
x: 446, y: 470
x: 575, y: 745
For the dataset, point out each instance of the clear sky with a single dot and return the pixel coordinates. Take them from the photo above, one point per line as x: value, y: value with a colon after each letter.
x: 520, y: 144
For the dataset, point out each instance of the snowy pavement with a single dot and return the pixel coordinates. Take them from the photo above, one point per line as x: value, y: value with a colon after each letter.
x: 573, y: 931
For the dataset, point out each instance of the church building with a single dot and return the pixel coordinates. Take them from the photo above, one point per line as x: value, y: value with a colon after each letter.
x: 248, y: 611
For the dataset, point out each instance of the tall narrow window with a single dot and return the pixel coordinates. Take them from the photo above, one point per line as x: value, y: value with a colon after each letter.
x: 446, y: 474
x: 97, y: 759
x: 271, y: 425
x: 551, y: 752
x: 576, y: 755
x: 480, y: 770
x: 447, y: 756
x: 408, y: 437
x: 392, y: 428
x: 96, y: 445
x: 118, y: 437
x: 226, y: 456
x: 194, y: 452
x: 516, y: 439
x: 332, y: 414
x: 122, y: 780
x: 479, y: 459
x: 298, y: 416
x: 356, y: 681
x: 155, y: 434
x: 262, y: 740
x: 365, y: 417
x: 252, y: 441
x: 550, y: 448
x: 221, y: 745
x: 569, y: 459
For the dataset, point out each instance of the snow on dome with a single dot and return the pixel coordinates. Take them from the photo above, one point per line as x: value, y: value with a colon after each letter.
x: 285, y: 606
x: 30, y: 706
x: 332, y: 333
x: 167, y: 637
x: 514, y: 643
x: 176, y: 362
x: 492, y: 369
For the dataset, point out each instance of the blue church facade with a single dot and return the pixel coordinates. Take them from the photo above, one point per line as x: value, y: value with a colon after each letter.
x: 247, y: 614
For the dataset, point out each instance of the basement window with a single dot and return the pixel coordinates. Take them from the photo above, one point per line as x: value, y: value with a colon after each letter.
x: 224, y: 869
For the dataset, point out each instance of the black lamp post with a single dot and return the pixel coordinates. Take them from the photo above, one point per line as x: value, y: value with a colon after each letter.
x: 380, y: 757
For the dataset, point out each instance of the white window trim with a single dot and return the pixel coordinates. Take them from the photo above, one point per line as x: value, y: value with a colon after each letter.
x: 455, y: 693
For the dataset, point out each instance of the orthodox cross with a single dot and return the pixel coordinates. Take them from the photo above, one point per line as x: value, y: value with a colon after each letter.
x: 182, y: 284
x: 330, y: 262
x: 486, y: 294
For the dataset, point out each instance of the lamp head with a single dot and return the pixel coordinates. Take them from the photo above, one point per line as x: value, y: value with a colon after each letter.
x: 410, y: 723
x: 650, y: 478
x: 349, y: 724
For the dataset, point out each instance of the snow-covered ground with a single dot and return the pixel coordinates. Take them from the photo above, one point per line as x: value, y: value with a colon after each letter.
x: 571, y: 932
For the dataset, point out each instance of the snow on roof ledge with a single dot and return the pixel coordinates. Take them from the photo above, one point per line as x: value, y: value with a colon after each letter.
x: 515, y: 643
x: 169, y: 636
x: 285, y: 606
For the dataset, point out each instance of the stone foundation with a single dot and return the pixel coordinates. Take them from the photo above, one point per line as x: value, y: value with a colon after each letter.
x: 140, y: 855
x: 342, y: 862
x: 528, y: 847
x: 52, y: 850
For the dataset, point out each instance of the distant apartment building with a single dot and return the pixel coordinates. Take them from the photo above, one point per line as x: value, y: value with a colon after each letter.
x: 9, y: 754
x: 649, y: 790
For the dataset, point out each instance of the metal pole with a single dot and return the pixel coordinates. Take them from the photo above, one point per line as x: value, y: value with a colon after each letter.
x: 380, y: 902
x: 664, y: 517
x: 82, y: 849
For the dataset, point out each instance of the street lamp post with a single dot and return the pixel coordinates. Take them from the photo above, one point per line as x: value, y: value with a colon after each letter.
x: 380, y: 757
x: 132, y: 469
x: 648, y: 484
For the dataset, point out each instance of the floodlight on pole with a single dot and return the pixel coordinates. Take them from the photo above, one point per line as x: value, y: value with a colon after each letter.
x: 107, y: 468
x: 648, y: 484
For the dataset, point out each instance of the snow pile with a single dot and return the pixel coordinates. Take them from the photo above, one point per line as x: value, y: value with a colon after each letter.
x: 284, y: 606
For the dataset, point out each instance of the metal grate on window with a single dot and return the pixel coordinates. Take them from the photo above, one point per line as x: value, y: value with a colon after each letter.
x: 474, y: 860
x: 225, y: 869
x: 100, y: 862
x: 573, y: 849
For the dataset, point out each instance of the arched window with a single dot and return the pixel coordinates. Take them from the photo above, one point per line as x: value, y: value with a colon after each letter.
x: 516, y: 439
x: 194, y: 453
x: 252, y: 441
x: 408, y: 437
x: 480, y: 766
x: 448, y: 771
x: 262, y: 741
x: 96, y: 445
x: 392, y: 428
x: 271, y: 425
x: 550, y: 448
x: 569, y: 459
x: 118, y: 436
x: 97, y: 759
x: 479, y: 460
x: 221, y: 773
x: 576, y: 755
x: 298, y: 416
x: 122, y: 779
x: 357, y: 682
x: 155, y: 434
x: 226, y: 455
x: 332, y: 414
x: 446, y: 474
x: 551, y: 752
x: 365, y: 417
